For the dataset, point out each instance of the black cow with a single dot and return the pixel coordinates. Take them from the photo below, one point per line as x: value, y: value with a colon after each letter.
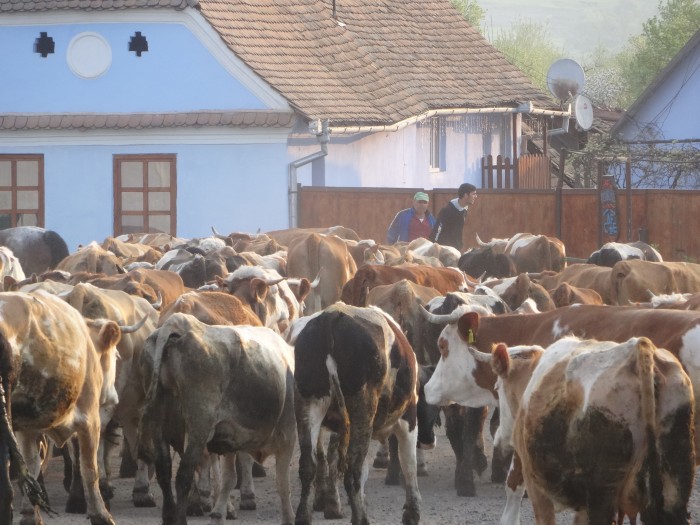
x: 36, y: 248
x: 486, y: 261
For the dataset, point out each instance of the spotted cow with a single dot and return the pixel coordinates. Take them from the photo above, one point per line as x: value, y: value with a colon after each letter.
x: 462, y: 377
x: 603, y: 428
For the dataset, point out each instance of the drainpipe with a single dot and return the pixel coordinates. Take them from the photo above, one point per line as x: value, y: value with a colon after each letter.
x: 320, y: 129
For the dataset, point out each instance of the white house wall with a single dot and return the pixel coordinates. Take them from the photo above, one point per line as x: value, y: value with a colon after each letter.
x: 672, y: 111
x: 402, y: 158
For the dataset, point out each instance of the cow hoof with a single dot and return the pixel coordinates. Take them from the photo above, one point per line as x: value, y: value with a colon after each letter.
x: 258, y: 470
x: 101, y: 520
x: 466, y: 492
x: 247, y: 502
x: 333, y: 514
x: 215, y: 519
x: 106, y: 490
x: 392, y: 478
x: 195, y: 509
x: 381, y: 461
x: 231, y: 513
x: 143, y: 499
x: 31, y: 518
x: 410, y: 517
x: 76, y: 505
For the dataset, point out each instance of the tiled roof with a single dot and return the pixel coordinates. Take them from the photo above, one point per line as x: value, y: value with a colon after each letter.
x: 378, y: 62
x: 7, y: 6
x: 265, y: 119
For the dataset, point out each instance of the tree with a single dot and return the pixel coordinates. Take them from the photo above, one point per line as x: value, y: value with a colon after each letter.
x: 662, y: 37
x: 527, y: 45
x: 471, y: 11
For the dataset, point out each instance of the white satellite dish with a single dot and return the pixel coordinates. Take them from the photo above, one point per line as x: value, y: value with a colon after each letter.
x: 583, y: 111
x: 565, y: 79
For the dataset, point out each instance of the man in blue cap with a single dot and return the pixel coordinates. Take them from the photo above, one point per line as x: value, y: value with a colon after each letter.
x: 413, y: 222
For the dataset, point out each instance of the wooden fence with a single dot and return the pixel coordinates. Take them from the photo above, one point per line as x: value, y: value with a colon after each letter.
x: 529, y: 172
x: 668, y: 219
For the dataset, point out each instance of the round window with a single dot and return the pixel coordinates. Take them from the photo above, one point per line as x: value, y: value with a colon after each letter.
x: 89, y: 55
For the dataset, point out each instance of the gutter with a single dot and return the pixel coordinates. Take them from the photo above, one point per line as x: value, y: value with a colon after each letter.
x: 321, y: 130
x: 522, y: 108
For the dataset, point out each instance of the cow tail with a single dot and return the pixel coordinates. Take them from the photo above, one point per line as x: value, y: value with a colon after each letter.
x: 344, y: 426
x: 8, y: 445
x: 651, y: 474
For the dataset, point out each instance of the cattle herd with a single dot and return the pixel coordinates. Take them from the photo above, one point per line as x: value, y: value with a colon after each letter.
x: 229, y: 349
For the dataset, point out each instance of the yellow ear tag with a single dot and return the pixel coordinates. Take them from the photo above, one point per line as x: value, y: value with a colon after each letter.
x: 470, y: 336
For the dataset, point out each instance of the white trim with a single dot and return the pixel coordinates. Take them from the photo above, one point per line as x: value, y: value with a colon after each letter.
x: 190, y: 18
x: 174, y: 137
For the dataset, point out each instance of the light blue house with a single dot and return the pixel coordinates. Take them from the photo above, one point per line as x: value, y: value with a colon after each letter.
x: 667, y: 116
x: 120, y: 116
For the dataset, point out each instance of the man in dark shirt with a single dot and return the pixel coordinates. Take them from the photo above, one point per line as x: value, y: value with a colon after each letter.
x: 450, y: 221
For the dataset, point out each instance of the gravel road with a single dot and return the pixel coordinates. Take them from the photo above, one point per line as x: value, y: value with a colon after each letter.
x: 441, y: 505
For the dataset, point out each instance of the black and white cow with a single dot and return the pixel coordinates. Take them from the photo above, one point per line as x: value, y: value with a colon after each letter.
x: 229, y: 389
x: 356, y: 375
x: 614, y: 252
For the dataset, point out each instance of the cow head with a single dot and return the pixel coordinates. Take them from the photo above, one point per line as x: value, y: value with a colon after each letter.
x: 463, y: 374
x: 105, y: 336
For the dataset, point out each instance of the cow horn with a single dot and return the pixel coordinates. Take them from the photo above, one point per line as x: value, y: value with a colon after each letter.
x: 441, y: 318
x: 130, y: 329
x: 484, y: 357
x: 480, y: 242
x: 218, y: 235
x: 159, y: 301
x: 317, y: 280
x: 274, y: 281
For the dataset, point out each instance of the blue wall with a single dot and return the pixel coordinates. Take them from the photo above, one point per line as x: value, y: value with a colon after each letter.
x: 177, y: 73
x: 231, y: 187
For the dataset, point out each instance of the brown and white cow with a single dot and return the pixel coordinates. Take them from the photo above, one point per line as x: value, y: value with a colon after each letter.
x: 516, y: 290
x: 444, y: 280
x: 633, y: 280
x: 125, y: 310
x: 604, y: 428
x: 267, y: 293
x: 356, y: 375
x: 232, y: 390
x: 156, y: 286
x: 566, y: 294
x: 63, y: 372
x: 323, y: 256
x: 597, y: 278
x: 536, y: 253
x: 131, y: 251
x: 92, y: 258
x: 463, y: 378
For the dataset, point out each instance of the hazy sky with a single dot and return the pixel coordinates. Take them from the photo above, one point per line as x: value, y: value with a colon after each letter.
x: 575, y: 25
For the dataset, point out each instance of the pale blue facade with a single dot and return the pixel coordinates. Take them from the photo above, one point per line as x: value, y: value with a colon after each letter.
x: 177, y: 73
x: 234, y: 179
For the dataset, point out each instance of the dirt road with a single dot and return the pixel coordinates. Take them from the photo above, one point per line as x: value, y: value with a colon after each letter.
x: 441, y: 506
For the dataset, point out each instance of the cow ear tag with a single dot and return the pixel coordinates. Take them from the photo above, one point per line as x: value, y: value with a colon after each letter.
x: 470, y: 336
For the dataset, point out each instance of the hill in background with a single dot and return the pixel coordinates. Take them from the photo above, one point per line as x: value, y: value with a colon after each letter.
x: 577, y: 26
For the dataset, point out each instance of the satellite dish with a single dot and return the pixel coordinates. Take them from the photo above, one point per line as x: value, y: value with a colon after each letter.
x: 583, y: 111
x: 565, y: 79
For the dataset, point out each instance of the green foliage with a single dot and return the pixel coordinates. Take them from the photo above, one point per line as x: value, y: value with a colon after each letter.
x: 470, y: 10
x: 528, y: 45
x: 661, y: 38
